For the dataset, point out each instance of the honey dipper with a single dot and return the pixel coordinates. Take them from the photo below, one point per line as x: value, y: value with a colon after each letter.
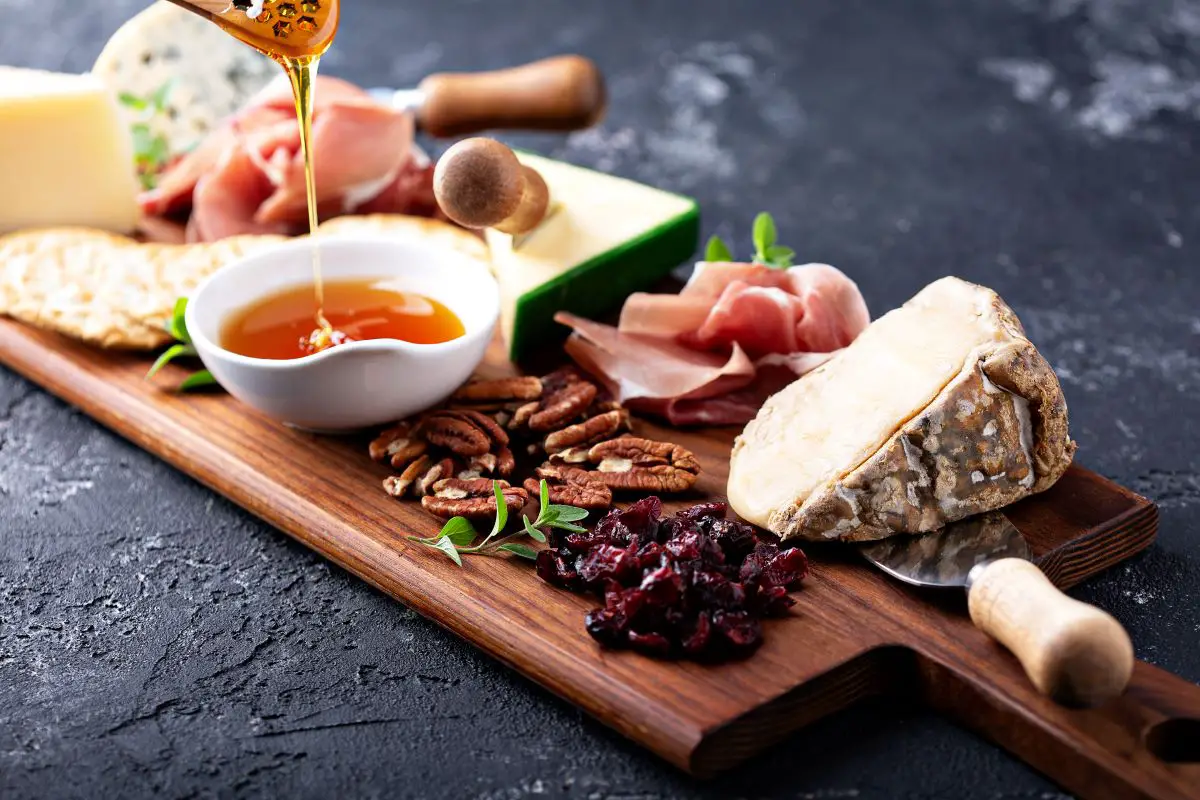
x: 479, y: 183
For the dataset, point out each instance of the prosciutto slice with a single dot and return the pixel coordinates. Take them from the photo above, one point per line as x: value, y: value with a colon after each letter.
x: 735, y: 334
x: 248, y: 175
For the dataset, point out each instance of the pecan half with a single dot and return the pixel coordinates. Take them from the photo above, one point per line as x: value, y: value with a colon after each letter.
x: 633, y: 463
x: 398, y: 485
x: 436, y: 472
x: 526, y: 387
x: 456, y: 434
x: 499, y: 463
x: 473, y: 499
x: 597, y: 429
x: 399, y: 444
x: 482, y: 421
x: 520, y: 417
x: 570, y: 486
x: 562, y: 406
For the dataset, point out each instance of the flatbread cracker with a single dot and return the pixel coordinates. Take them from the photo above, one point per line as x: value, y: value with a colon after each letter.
x: 118, y: 293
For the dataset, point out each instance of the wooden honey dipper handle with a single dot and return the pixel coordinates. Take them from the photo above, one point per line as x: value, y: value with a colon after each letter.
x: 479, y: 183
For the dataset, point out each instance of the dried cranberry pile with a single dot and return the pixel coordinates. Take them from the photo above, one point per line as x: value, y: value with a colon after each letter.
x: 692, y: 585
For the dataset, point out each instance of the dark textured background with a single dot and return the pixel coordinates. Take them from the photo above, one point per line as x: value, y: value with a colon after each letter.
x: 156, y: 640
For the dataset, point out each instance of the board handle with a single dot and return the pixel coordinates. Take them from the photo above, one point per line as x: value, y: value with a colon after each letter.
x: 563, y: 93
x: 1071, y: 651
x: 1143, y: 744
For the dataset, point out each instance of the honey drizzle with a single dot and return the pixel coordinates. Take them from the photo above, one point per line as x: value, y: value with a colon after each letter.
x: 302, y: 72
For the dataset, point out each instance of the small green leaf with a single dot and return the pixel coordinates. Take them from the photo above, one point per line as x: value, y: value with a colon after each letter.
x: 522, y: 550
x: 533, y: 532
x: 717, y: 250
x: 198, y: 380
x: 543, y: 497
x: 501, y: 508
x: 176, y: 325
x: 780, y: 256
x: 566, y: 526
x: 459, y: 531
x: 447, y: 547
x: 170, y: 354
x: 142, y: 139
x: 158, y: 100
x: 131, y: 100
x: 764, y: 233
x: 569, y: 513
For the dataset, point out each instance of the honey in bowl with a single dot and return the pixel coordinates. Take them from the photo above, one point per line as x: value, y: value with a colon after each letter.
x: 280, y: 326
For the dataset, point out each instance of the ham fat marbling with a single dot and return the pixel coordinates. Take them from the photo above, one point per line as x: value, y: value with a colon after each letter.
x: 735, y: 334
x: 248, y: 175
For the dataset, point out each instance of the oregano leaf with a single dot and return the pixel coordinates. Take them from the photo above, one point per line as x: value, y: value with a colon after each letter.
x: 459, y: 531
x: 569, y: 513
x: 522, y: 550
x: 543, y: 497
x: 501, y: 508
x: 447, y: 547
x: 533, y: 532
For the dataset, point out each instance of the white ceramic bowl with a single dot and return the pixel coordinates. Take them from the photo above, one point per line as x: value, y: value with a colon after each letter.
x: 360, y: 384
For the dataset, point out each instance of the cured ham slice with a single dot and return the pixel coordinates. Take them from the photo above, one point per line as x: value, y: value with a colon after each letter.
x: 735, y: 335
x: 248, y: 175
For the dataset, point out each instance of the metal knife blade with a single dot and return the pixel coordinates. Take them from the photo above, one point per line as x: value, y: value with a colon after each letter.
x: 1072, y: 652
x: 946, y: 557
x: 409, y: 100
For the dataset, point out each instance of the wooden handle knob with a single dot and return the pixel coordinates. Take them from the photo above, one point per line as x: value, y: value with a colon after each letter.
x: 1073, y: 652
x: 563, y: 93
x: 479, y: 183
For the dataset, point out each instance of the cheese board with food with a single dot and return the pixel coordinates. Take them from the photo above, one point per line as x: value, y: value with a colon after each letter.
x: 731, y: 513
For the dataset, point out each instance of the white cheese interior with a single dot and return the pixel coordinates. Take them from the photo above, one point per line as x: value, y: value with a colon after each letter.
x: 827, y: 423
x: 65, y: 155
x: 595, y: 213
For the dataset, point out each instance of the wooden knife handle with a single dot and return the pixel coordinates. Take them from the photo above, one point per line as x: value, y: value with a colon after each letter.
x: 563, y: 93
x: 1073, y: 652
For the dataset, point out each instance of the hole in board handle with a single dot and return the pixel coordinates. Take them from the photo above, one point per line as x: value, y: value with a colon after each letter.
x: 1176, y: 741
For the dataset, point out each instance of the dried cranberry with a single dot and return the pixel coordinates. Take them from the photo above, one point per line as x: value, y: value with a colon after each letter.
x: 740, y: 630
x: 693, y: 584
x: 652, y: 644
x: 698, y: 640
x: 554, y: 570
x: 606, y: 626
x: 609, y: 563
x: 702, y: 511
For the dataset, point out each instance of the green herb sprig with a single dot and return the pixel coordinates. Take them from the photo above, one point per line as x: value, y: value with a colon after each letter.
x: 767, y: 251
x: 456, y: 538
x: 151, y: 151
x: 177, y: 327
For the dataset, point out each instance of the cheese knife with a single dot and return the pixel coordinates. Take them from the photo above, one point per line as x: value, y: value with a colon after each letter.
x: 1073, y: 652
x: 562, y: 93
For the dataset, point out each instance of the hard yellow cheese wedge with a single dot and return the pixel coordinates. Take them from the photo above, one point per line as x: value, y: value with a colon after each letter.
x: 66, y: 158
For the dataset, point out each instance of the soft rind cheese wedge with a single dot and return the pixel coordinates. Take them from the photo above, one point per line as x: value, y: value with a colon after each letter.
x: 941, y: 409
x: 66, y: 158
x: 605, y: 238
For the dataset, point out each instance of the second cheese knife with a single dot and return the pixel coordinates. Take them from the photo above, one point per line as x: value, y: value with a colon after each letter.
x: 1073, y: 652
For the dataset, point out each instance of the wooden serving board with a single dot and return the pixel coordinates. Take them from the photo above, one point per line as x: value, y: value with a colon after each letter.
x: 853, y: 633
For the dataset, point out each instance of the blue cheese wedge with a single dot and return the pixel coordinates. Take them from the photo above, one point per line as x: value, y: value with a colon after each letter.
x: 940, y: 410
x: 605, y: 237
x: 65, y: 154
x: 211, y: 74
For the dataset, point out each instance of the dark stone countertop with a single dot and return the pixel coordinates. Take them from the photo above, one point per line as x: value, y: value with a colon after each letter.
x: 155, y: 640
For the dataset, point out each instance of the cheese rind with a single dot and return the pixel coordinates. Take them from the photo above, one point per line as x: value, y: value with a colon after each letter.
x: 940, y: 410
x: 65, y: 155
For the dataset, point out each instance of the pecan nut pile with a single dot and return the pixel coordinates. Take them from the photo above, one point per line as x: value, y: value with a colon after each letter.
x: 563, y: 419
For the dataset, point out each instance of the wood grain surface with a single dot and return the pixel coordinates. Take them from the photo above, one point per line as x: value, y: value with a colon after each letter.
x: 853, y: 633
